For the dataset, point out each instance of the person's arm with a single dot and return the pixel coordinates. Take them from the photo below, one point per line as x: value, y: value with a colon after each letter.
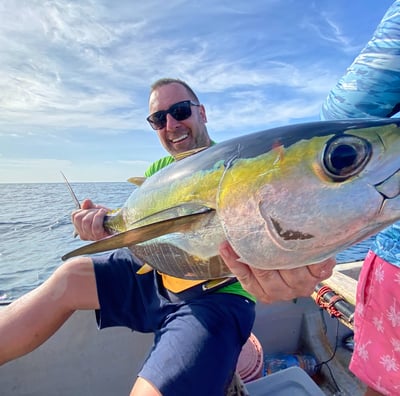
x: 270, y: 286
x: 88, y: 221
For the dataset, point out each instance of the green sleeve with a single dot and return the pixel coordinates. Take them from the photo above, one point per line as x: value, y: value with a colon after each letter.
x: 162, y: 163
x: 159, y: 164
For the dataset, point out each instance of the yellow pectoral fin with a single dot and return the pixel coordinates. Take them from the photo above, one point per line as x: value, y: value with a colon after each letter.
x: 141, y: 234
x: 172, y: 213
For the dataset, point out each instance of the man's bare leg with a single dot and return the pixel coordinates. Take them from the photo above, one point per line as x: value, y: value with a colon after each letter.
x: 32, y: 319
x: 142, y: 387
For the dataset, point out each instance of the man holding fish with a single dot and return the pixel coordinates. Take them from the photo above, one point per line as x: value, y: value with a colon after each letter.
x: 202, y: 324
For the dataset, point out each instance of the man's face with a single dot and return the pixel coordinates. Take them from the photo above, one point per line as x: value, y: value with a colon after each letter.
x: 179, y: 136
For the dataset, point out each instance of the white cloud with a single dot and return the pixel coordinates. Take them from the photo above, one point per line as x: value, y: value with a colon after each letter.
x: 69, y: 70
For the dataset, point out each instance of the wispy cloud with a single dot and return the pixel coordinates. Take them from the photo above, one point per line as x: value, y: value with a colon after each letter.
x: 76, y: 74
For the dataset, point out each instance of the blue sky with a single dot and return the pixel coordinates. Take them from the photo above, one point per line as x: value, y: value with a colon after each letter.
x: 74, y: 75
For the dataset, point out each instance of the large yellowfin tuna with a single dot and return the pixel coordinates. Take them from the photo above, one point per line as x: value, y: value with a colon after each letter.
x: 283, y: 198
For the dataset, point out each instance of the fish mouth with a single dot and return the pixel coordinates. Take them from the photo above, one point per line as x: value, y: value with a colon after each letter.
x: 390, y: 187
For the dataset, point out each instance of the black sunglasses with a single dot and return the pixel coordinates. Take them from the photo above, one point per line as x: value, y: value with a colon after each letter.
x: 180, y: 111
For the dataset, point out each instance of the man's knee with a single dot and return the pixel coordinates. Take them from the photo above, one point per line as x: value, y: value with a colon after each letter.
x: 74, y: 283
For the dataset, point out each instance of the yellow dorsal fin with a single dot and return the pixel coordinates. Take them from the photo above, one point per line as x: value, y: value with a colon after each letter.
x: 185, y: 154
x: 137, y: 180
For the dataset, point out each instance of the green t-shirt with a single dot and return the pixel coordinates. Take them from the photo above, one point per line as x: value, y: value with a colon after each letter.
x: 234, y: 288
x: 159, y: 164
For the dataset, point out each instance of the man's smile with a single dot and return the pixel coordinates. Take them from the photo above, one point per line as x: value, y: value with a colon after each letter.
x: 179, y: 139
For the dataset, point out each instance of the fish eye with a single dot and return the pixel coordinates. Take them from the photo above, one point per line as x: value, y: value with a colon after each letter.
x: 345, y: 156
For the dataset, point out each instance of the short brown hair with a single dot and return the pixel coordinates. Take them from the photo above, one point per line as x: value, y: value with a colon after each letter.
x: 166, y: 81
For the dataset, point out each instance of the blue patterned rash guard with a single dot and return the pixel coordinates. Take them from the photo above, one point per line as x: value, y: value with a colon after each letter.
x: 370, y: 88
x: 371, y: 85
x: 387, y: 244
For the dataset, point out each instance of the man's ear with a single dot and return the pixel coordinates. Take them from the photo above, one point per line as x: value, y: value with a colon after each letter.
x: 203, y: 113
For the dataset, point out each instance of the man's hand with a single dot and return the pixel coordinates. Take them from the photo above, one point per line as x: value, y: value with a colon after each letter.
x: 269, y: 286
x: 88, y: 221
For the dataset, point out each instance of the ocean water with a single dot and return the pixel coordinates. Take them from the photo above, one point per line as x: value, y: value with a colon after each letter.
x: 36, y: 230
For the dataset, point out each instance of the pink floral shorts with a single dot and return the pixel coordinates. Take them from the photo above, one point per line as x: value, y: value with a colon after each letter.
x: 376, y: 357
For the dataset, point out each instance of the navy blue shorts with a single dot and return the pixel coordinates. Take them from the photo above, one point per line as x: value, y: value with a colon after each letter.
x: 197, y: 342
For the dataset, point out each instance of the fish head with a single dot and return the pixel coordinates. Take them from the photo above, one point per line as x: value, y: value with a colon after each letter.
x: 299, y: 203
